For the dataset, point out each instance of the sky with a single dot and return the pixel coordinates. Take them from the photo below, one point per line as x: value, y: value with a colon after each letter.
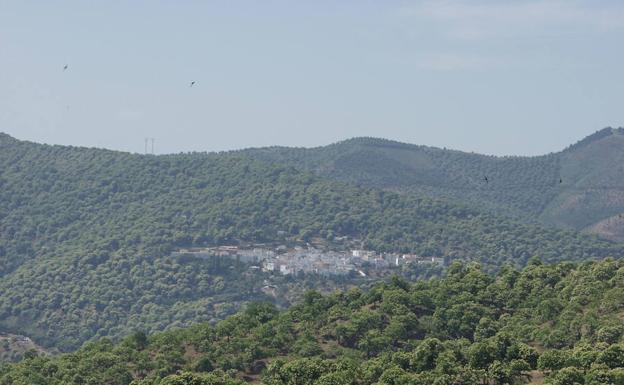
x: 495, y: 77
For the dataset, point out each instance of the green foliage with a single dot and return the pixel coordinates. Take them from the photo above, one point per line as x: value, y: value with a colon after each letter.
x: 350, y: 338
x: 85, y: 238
x: 578, y: 187
x: 519, y: 185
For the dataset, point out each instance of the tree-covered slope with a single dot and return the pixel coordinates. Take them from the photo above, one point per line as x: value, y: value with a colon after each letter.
x: 594, y: 173
x: 85, y: 235
x: 562, y: 322
x: 576, y: 188
x: 522, y: 186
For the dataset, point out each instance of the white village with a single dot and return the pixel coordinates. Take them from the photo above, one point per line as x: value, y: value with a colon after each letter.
x: 308, y: 259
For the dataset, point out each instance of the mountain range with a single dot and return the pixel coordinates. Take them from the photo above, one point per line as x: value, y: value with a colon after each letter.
x: 580, y: 187
x: 86, y: 234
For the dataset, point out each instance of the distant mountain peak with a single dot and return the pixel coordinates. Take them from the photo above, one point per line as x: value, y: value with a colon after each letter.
x: 6, y: 139
x: 600, y: 134
x: 371, y: 141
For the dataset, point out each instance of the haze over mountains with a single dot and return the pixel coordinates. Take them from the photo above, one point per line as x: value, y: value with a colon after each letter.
x: 581, y: 187
x: 441, y: 226
x: 86, y: 234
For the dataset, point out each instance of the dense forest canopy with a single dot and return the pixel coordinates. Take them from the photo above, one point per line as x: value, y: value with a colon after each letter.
x: 581, y: 187
x: 561, y: 321
x: 85, y: 235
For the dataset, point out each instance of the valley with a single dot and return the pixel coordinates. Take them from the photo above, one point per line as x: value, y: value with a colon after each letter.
x: 311, y: 193
x: 96, y: 245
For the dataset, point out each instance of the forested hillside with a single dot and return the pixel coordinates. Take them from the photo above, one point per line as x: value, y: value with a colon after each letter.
x: 581, y: 187
x: 562, y: 322
x: 85, y: 235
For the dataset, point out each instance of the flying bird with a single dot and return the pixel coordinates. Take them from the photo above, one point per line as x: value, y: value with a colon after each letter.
x: 192, y: 83
x: 485, y: 178
x: 65, y: 67
x: 560, y: 180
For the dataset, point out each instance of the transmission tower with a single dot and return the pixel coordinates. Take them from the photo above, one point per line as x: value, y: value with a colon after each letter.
x: 147, y: 140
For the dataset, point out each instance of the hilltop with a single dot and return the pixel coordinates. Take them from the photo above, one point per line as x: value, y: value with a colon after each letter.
x: 86, y: 236
x: 581, y: 187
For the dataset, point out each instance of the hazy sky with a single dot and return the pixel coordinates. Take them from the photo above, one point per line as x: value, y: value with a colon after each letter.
x: 499, y: 77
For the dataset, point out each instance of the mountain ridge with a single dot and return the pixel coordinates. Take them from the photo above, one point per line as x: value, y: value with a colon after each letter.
x: 86, y: 236
x: 547, y: 189
x: 366, y: 140
x: 539, y: 188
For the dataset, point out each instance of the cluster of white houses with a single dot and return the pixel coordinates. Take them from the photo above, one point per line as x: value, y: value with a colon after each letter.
x: 308, y: 259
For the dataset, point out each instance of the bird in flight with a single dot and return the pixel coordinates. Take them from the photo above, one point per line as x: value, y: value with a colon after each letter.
x: 560, y: 180
x: 65, y: 67
x: 192, y: 83
x: 485, y: 178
